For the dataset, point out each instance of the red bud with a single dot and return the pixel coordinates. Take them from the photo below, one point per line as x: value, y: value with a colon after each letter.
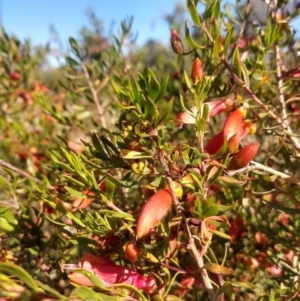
x: 15, y: 76
x: 176, y: 43
x: 197, y: 70
x: 243, y: 156
x: 131, y: 252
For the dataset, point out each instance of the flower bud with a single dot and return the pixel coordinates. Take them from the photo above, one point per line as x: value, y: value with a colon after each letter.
x: 176, y: 43
x: 131, y: 252
x: 197, y: 70
x: 15, y: 76
x: 243, y: 156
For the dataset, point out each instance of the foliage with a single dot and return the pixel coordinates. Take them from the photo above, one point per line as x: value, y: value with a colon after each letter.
x: 127, y: 177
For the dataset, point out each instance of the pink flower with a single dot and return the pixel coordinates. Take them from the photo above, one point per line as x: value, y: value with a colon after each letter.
x: 275, y: 270
x: 109, y: 273
x: 215, y: 107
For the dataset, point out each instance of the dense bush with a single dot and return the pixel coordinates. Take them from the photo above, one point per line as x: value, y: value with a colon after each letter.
x: 125, y: 177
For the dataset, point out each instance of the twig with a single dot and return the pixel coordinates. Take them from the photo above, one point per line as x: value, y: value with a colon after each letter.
x: 257, y: 166
x: 23, y: 173
x: 280, y: 85
x: 94, y: 94
x: 193, y: 249
x: 38, y: 181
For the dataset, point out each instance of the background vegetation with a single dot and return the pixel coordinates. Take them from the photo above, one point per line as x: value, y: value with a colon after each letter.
x: 85, y: 145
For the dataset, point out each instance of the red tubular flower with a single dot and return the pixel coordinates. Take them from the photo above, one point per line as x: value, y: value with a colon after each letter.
x: 109, y: 273
x: 233, y: 124
x: 243, y: 156
x: 234, y: 141
x: 186, y: 118
x: 215, y: 144
x: 153, y: 212
x: 197, y: 70
x: 219, y: 106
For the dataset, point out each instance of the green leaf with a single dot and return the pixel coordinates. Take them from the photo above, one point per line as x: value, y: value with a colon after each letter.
x: 167, y: 110
x: 193, y: 12
x: 5, y: 226
x: 187, y: 80
x: 218, y: 269
x: 50, y: 290
x: 75, y: 219
x: 221, y: 234
x: 74, y: 192
x: 99, y: 147
x: 133, y: 155
x: 230, y: 16
x: 190, y: 40
x: 228, y: 38
x: 287, y: 210
x: 86, y: 293
x: 73, y: 63
x: 151, y: 111
x: 110, y: 189
x: 74, y: 181
x: 16, y: 271
x: 136, y: 96
x: 217, y: 47
x: 115, y: 214
x: 163, y: 88
x: 4, y: 183
x: 74, y: 46
x: 153, y: 85
x: 237, y: 61
x: 9, y: 216
x: 108, y: 143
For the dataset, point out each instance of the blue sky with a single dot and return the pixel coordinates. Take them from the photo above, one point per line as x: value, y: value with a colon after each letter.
x: 33, y: 18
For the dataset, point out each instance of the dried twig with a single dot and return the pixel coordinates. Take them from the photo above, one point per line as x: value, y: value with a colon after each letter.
x: 257, y: 166
x: 23, y: 173
x: 193, y: 249
x: 94, y: 94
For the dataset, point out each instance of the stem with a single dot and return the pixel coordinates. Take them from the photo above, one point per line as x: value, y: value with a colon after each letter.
x: 94, y: 94
x: 23, y: 173
x: 193, y: 249
x: 257, y: 166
